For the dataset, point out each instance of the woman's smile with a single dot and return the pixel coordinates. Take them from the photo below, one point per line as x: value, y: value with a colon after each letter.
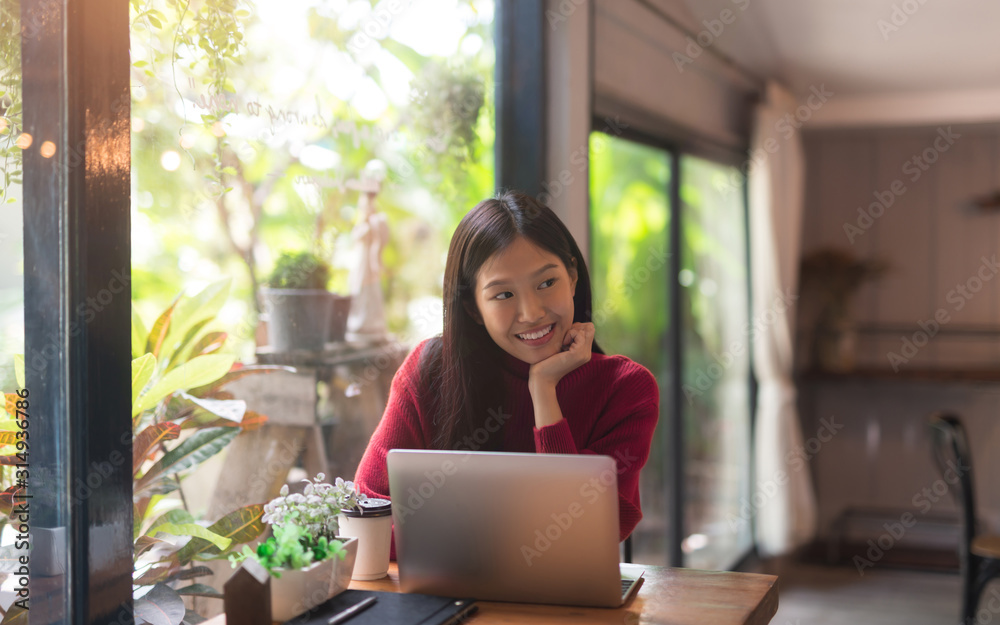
x: 538, y: 337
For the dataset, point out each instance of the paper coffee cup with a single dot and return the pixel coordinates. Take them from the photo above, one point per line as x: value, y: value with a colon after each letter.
x: 371, y: 524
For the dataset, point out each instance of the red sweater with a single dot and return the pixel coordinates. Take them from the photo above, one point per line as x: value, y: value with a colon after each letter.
x: 610, y: 406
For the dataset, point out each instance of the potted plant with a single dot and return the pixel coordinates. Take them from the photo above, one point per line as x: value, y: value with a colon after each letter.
x: 306, y: 559
x: 830, y: 277
x: 301, y: 311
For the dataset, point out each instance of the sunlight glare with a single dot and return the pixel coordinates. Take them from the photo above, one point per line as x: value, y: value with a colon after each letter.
x: 170, y: 160
x: 369, y: 101
x: 431, y: 27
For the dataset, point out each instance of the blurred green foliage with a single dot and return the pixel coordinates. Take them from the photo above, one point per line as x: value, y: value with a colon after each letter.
x: 629, y: 254
x: 630, y: 229
x: 630, y: 221
x: 299, y: 270
x: 247, y: 147
x: 10, y: 96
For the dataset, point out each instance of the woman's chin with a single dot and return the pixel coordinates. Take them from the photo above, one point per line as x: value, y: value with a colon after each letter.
x: 534, y: 355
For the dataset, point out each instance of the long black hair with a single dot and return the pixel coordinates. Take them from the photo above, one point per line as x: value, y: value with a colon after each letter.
x: 461, y: 369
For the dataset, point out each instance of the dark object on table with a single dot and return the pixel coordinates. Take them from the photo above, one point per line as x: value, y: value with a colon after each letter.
x: 357, y: 608
x: 979, y: 554
x: 247, y: 595
x: 391, y: 607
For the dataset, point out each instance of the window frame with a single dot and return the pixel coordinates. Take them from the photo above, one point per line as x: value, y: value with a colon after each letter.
x: 521, y: 145
x: 77, y: 255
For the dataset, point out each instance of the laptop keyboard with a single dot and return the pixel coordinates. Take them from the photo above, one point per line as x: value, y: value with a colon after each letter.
x: 626, y: 586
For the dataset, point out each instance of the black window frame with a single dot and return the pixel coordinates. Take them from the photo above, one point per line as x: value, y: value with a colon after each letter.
x: 521, y: 147
x: 77, y: 307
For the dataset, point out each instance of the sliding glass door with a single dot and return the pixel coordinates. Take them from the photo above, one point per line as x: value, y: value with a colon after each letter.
x: 629, y: 248
x: 715, y: 364
x: 699, y: 467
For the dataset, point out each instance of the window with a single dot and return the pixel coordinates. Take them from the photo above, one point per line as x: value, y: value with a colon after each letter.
x: 716, y: 343
x: 629, y: 263
x: 705, y: 380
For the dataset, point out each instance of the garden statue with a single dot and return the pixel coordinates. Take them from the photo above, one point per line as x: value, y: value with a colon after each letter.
x: 367, y: 318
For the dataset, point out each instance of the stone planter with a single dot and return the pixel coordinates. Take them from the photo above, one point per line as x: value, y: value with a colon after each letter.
x: 299, y: 590
x: 297, y: 318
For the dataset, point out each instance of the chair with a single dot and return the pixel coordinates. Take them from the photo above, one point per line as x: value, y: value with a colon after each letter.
x: 979, y: 555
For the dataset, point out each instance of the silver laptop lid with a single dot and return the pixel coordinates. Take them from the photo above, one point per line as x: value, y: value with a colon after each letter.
x: 535, y: 528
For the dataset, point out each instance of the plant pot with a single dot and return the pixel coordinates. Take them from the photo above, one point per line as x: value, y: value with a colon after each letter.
x: 297, y: 318
x: 836, y: 348
x: 338, y: 319
x: 299, y: 590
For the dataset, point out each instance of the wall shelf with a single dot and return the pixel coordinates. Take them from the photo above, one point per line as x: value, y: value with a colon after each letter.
x: 903, y: 375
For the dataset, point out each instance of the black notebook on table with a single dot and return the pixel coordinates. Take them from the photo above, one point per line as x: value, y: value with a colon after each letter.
x: 390, y: 608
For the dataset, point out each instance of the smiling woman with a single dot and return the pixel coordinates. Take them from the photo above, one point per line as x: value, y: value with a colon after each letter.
x: 526, y: 300
x: 516, y: 367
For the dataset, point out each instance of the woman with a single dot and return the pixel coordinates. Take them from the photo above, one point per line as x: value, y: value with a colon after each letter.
x: 516, y: 367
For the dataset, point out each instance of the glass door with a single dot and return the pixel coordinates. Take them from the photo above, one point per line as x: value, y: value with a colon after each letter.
x: 629, y: 226
x: 699, y: 467
x: 715, y: 371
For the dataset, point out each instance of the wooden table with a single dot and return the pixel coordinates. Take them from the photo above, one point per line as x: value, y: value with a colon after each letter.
x: 669, y: 596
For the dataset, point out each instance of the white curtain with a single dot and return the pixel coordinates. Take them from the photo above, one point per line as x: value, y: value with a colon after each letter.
x: 782, y: 496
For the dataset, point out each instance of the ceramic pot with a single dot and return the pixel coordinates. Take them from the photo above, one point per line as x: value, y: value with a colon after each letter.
x: 299, y: 590
x: 297, y: 318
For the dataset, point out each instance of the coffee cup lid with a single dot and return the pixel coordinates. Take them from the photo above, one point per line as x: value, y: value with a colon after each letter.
x: 370, y: 508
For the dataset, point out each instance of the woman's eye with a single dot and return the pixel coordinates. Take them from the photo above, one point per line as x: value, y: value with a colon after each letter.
x: 547, y: 283
x: 504, y: 295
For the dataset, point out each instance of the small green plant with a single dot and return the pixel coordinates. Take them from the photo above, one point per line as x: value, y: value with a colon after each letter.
x: 315, y: 509
x: 301, y: 270
x: 291, y: 547
x: 305, y: 525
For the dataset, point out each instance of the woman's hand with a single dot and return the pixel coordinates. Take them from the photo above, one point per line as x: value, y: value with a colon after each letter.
x: 576, y: 351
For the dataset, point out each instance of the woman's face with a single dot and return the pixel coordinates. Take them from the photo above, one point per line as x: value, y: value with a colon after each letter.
x: 524, y: 297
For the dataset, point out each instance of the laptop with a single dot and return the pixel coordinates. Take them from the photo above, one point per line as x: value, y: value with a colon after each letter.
x: 530, y: 528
